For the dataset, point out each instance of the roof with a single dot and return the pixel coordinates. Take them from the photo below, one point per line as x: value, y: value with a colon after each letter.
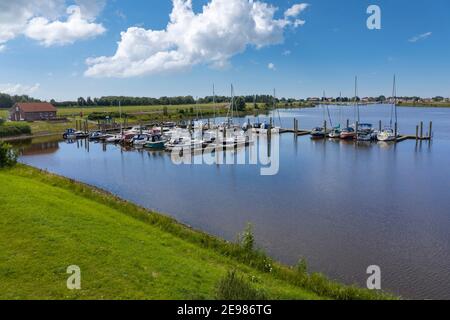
x: 35, y: 107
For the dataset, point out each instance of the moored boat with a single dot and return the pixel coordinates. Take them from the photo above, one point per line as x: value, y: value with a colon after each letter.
x: 348, y: 133
x: 387, y: 134
x: 318, y: 133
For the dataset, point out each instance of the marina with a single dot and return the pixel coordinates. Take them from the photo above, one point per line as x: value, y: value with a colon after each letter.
x: 397, y: 191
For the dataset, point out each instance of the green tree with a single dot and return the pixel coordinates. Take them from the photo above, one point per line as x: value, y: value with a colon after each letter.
x: 240, y: 104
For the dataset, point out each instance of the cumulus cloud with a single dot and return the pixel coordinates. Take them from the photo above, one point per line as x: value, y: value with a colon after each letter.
x: 295, y: 10
x: 271, y: 66
x: 419, y: 37
x: 19, y: 89
x: 24, y: 17
x: 223, y: 29
x: 60, y: 33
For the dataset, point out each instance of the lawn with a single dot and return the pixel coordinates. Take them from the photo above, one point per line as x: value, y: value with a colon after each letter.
x: 46, y: 226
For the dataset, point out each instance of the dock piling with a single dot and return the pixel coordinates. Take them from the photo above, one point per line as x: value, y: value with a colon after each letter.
x: 421, y: 130
x: 431, y: 130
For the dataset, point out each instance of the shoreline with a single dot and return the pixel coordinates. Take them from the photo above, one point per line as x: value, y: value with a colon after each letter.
x: 315, y: 283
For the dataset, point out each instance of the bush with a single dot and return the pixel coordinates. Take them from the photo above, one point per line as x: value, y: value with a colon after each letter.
x: 235, y: 287
x: 94, y: 116
x: 8, y: 157
x: 248, y: 239
x: 14, y: 129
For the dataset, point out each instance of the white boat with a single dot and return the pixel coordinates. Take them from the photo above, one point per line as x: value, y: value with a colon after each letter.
x: 114, y: 139
x: 141, y: 139
x: 387, y: 134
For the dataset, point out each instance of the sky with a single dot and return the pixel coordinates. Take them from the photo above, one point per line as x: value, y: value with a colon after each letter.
x: 64, y: 49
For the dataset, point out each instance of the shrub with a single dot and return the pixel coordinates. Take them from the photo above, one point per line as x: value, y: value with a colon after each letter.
x: 14, y: 129
x: 94, y: 116
x: 248, y: 239
x: 302, y: 267
x: 235, y: 287
x: 8, y: 157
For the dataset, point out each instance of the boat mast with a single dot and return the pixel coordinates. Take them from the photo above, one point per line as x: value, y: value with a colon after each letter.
x: 395, y: 99
x: 275, y: 105
x: 394, y: 103
x: 328, y: 109
x: 340, y: 108
x: 214, y: 103
x: 120, y: 115
x: 356, y: 99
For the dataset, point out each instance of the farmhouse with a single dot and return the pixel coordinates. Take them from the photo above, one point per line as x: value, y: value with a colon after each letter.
x: 32, y: 111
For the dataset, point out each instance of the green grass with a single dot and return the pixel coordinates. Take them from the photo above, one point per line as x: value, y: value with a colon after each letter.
x: 46, y: 226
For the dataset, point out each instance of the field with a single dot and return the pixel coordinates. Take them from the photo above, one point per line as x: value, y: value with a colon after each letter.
x: 124, y: 252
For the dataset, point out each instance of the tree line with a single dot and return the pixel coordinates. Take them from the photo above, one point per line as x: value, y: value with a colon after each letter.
x: 7, y: 101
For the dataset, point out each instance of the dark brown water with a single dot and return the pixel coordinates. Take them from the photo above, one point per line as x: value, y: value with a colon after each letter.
x: 343, y: 206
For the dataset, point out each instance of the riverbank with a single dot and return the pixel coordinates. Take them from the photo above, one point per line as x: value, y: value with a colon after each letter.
x: 135, y: 115
x: 124, y: 251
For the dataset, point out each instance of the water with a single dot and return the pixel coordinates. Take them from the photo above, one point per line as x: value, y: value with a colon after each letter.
x: 342, y: 206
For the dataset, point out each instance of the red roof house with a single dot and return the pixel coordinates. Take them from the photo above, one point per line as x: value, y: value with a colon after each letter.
x: 32, y: 111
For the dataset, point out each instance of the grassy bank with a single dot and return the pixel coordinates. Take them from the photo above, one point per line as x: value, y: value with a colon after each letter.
x: 124, y: 251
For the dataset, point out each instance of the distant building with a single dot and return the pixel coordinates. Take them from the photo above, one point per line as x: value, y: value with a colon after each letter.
x: 33, y: 111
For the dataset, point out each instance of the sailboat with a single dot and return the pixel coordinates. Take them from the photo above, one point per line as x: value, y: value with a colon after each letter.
x: 319, y: 132
x: 388, y: 133
x: 350, y: 133
x: 335, y: 132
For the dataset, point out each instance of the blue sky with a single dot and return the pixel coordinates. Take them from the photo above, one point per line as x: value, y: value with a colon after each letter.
x: 325, y: 53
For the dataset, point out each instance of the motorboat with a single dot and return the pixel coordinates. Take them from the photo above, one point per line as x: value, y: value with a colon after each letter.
x: 335, y: 133
x: 156, y: 142
x: 114, y: 138
x: 72, y: 134
x: 317, y: 133
x: 348, y: 134
x: 365, y: 132
x: 140, y: 140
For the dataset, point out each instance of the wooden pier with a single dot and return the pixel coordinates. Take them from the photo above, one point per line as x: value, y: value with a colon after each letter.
x: 419, y: 136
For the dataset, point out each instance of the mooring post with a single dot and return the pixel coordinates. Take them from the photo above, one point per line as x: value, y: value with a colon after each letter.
x: 421, y: 130
x: 379, y: 125
x: 431, y: 130
x: 348, y: 123
x: 87, y: 126
x: 417, y: 132
x: 325, y: 127
x: 396, y: 131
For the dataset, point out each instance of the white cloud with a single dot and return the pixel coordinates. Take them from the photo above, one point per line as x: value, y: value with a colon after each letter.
x: 24, y: 17
x: 60, y: 33
x: 2, y: 47
x: 295, y: 10
x: 419, y: 37
x: 223, y: 29
x: 271, y: 66
x: 19, y: 89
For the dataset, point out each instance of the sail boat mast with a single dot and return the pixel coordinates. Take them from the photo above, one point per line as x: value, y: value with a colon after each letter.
x: 356, y: 99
